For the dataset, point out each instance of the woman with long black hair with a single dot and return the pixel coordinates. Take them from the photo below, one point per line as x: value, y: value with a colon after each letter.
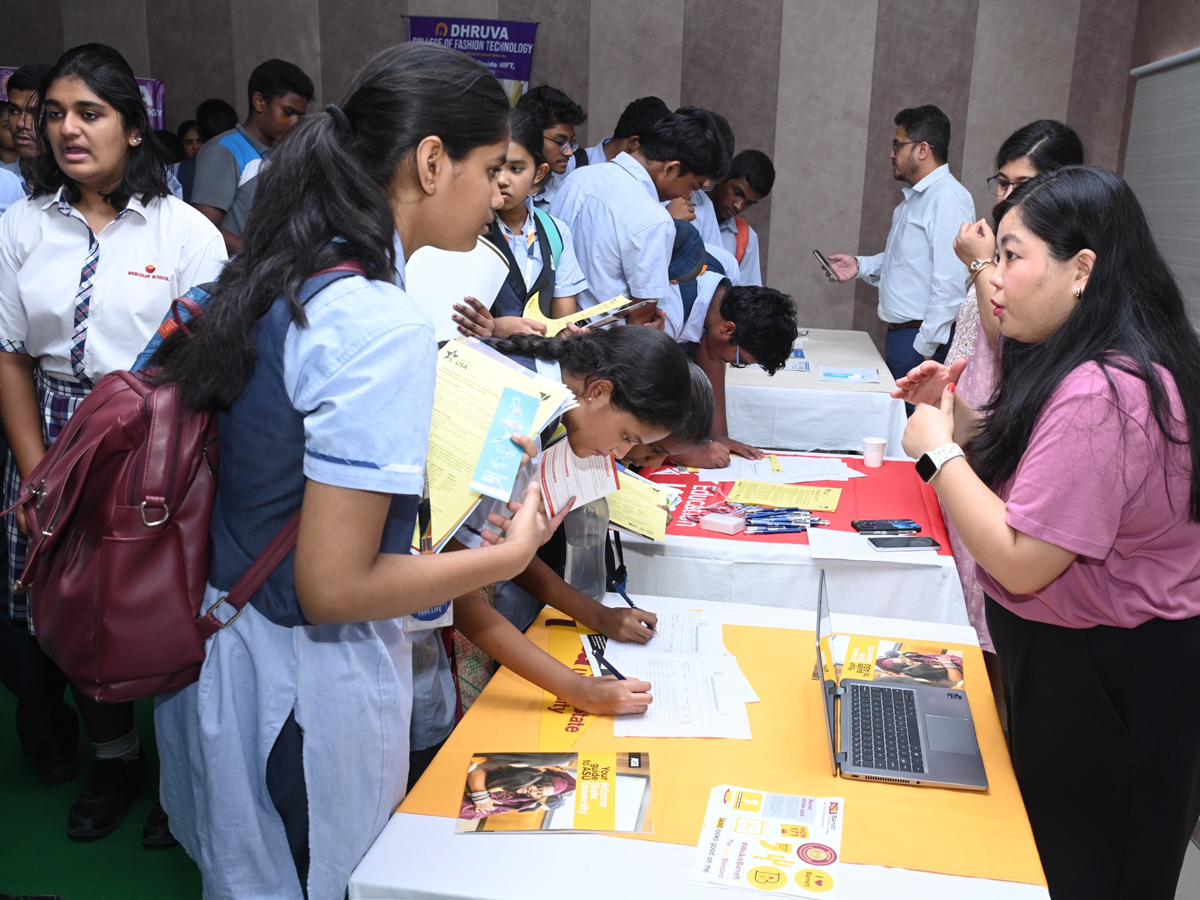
x: 286, y: 759
x: 1079, y: 497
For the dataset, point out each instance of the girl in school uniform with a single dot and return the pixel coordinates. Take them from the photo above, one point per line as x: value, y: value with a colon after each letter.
x: 1079, y: 498
x: 89, y: 265
x: 538, y: 247
x: 284, y: 762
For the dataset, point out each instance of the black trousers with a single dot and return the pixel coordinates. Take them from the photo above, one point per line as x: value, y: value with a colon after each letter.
x: 1105, y: 738
x: 43, y: 716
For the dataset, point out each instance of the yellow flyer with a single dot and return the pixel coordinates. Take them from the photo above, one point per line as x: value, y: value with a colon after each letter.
x: 596, y: 792
x: 533, y: 310
x: 641, y: 506
x: 762, y: 493
x: 562, y: 724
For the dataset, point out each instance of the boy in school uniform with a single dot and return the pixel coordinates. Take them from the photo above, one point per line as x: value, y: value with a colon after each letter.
x: 227, y: 167
x: 559, y: 116
x: 751, y: 177
x: 636, y: 120
x: 623, y: 235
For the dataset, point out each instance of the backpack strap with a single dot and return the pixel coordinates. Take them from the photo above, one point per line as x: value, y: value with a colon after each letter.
x: 547, y: 225
x: 743, y: 238
x: 581, y: 158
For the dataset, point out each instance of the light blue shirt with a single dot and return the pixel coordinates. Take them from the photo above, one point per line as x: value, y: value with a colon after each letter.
x: 749, y: 268
x: 623, y: 236
x: 918, y: 274
x: 12, y: 189
x: 595, y: 156
x: 568, y: 277
x: 706, y: 218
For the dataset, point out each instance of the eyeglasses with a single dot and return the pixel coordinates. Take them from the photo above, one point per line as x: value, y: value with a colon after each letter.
x: 896, y: 145
x: 569, y: 145
x: 998, y: 185
x: 737, y: 358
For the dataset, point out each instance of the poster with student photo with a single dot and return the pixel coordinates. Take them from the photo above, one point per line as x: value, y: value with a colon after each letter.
x: 895, y: 661
x: 595, y: 792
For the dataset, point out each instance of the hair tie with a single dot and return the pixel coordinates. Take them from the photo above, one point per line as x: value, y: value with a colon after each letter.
x: 340, y: 120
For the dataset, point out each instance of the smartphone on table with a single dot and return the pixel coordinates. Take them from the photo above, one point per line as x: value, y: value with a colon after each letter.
x: 885, y: 526
x: 826, y: 265
x: 909, y: 542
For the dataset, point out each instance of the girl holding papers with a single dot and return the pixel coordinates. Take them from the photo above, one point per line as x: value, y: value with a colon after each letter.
x: 1079, y: 498
x: 282, y: 765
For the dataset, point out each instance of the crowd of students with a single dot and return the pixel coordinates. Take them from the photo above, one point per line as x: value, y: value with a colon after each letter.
x: 1078, y: 494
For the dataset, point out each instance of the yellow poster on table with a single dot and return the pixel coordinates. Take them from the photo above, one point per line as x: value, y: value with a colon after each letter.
x: 561, y: 723
x: 596, y: 792
x: 801, y: 496
x: 533, y: 310
x: 641, y: 506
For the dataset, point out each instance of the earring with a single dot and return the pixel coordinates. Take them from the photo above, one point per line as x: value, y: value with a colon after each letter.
x: 136, y: 141
x: 1078, y: 293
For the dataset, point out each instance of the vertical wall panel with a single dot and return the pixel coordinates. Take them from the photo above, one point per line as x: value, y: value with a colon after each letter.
x: 346, y: 46
x: 923, y: 54
x: 559, y: 51
x: 262, y: 31
x: 636, y: 48
x: 1100, y: 82
x: 119, y: 23
x: 32, y: 32
x: 465, y: 9
x: 1006, y: 95
x: 191, y: 51
x: 1165, y: 28
x: 731, y: 66
x: 820, y: 142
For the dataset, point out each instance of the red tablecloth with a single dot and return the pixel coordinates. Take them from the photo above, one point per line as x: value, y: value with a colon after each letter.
x: 893, y: 491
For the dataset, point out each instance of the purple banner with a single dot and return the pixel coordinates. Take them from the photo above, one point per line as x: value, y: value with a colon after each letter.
x: 506, y: 48
x: 154, y: 94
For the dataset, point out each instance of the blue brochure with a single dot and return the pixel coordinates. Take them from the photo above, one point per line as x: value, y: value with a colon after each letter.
x: 496, y: 472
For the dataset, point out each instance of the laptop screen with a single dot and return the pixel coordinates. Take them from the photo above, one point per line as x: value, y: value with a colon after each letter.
x: 828, y: 675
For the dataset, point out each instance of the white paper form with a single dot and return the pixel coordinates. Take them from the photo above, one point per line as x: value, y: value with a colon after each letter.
x: 826, y: 544
x: 694, y: 696
x: 437, y: 279
x: 676, y: 633
x: 739, y: 467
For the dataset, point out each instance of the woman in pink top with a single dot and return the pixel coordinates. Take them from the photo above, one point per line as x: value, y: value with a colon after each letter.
x: 1079, y: 498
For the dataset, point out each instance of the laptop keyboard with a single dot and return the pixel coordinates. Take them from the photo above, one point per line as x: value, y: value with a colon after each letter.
x: 883, y: 729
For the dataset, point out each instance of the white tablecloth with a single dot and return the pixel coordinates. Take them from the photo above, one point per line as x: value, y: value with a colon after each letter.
x: 421, y: 857
x: 796, y: 411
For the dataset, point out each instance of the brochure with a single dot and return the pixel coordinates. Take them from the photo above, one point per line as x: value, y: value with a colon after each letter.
x: 872, y: 659
x: 533, y: 310
x: 564, y: 792
x: 437, y: 279
x: 641, y: 506
x: 496, y: 472
x: 761, y: 493
x: 565, y: 475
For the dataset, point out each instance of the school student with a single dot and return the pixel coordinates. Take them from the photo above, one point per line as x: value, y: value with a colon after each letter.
x: 282, y: 765
x: 21, y: 109
x: 538, y: 247
x: 693, y: 432
x: 1078, y: 495
x: 89, y: 264
x: 750, y: 179
x: 227, y: 168
x: 623, y: 236
x: 558, y: 116
x: 636, y: 120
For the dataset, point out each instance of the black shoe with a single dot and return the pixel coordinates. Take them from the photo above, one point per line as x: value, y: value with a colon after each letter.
x: 156, y: 833
x: 57, y: 763
x: 101, y: 807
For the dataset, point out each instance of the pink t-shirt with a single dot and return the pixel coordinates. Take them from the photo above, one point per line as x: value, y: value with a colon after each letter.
x: 1112, y: 489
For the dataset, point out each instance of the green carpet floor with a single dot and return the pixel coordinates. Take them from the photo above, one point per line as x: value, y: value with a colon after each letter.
x: 37, y: 858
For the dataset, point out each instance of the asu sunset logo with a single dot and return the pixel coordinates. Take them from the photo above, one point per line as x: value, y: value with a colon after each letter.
x: 149, y: 270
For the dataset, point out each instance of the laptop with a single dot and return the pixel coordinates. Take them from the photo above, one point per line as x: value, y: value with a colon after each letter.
x: 918, y: 734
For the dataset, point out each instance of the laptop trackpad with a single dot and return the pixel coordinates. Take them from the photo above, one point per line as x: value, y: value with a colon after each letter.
x: 950, y: 734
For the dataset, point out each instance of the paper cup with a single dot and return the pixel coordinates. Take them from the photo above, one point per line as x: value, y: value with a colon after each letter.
x: 873, y: 450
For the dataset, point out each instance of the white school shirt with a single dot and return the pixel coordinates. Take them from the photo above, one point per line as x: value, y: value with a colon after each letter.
x: 623, y: 237
x: 706, y: 217
x: 145, y: 258
x: 918, y: 274
x: 751, y: 271
x: 717, y: 253
x: 12, y: 188
x: 595, y: 155
x: 568, y: 277
x: 693, y: 329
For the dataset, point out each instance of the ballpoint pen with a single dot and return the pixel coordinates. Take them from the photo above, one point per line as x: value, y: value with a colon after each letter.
x: 604, y: 662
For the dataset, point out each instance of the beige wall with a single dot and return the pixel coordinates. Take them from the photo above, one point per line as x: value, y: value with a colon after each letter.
x: 814, y: 83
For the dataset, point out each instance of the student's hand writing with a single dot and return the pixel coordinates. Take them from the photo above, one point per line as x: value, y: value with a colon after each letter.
x: 507, y: 326
x: 474, y: 319
x: 845, y: 267
x: 925, y: 383
x: 682, y: 208
x: 930, y: 427
x: 630, y: 626
x: 974, y: 241
x: 732, y: 446
x: 609, y: 696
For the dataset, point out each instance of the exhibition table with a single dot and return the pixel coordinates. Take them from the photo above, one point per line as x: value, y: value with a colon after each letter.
x: 896, y: 838
x: 798, y: 411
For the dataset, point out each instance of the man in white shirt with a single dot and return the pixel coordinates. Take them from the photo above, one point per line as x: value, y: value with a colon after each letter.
x: 921, y: 282
x: 623, y: 236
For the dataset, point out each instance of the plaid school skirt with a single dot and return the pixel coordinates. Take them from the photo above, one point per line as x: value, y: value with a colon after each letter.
x: 59, y: 398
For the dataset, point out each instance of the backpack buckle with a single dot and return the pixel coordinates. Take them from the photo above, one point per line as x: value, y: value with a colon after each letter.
x: 166, y: 516
x: 212, y: 610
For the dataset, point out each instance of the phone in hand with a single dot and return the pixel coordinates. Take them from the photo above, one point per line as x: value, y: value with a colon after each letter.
x: 826, y: 265
x: 911, y: 542
x: 885, y: 526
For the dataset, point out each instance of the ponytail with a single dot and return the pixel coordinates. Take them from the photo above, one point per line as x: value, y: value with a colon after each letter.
x: 647, y: 369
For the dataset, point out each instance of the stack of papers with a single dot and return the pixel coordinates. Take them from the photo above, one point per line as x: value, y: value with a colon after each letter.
x: 699, y: 691
x: 759, y: 493
x: 641, y: 506
x: 782, y: 470
x: 759, y: 841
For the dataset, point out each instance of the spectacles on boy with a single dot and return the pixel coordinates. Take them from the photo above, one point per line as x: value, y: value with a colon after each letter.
x: 565, y: 145
x: 737, y: 358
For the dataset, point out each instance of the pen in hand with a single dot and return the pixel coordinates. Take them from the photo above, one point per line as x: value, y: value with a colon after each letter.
x: 604, y: 662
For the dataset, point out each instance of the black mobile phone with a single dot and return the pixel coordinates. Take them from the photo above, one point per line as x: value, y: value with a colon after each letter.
x: 912, y: 542
x: 885, y: 526
x: 826, y: 265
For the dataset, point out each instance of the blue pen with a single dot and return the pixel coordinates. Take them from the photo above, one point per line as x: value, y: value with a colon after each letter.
x: 604, y: 662
x: 775, y: 529
x: 621, y: 590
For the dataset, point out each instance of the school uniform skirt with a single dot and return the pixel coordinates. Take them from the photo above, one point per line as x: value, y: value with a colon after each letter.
x: 1105, y: 742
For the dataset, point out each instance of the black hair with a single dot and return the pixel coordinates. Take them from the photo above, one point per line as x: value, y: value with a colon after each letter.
x: 185, y: 126
x: 927, y: 124
x: 647, y: 369
x: 109, y: 77
x: 1047, y: 144
x: 701, y: 408
x: 765, y: 320
x: 324, y: 199
x: 693, y: 136
x: 639, y: 117
x: 756, y: 167
x: 513, y: 778
x: 550, y: 105
x: 28, y: 77
x: 1130, y: 318
x: 172, y: 145
x: 726, y: 131
x: 276, y: 78
x: 214, y: 116
x: 528, y: 133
